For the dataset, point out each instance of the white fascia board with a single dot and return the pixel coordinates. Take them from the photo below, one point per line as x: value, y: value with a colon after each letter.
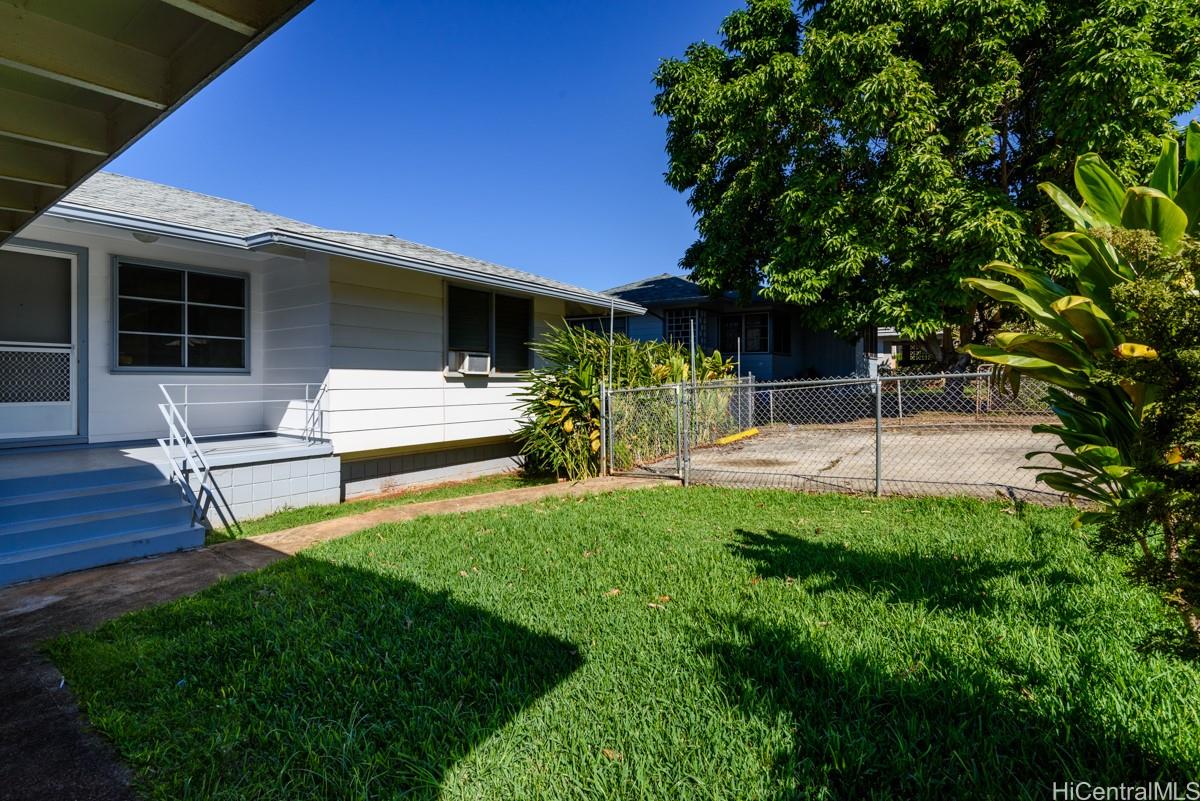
x: 317, y: 244
x: 144, y: 225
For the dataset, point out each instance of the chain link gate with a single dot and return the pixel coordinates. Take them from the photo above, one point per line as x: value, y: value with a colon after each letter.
x: 947, y: 433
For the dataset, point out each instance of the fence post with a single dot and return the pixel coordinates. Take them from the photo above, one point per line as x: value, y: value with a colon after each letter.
x: 750, y: 424
x: 878, y: 436
x: 899, y: 400
x: 603, y: 430
x: 770, y: 407
x: 686, y: 415
x: 679, y: 431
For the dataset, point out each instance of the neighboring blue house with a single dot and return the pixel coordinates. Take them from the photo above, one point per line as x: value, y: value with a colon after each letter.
x: 774, y: 346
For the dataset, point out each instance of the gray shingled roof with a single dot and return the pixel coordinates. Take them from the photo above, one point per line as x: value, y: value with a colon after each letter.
x: 146, y: 200
x: 665, y: 289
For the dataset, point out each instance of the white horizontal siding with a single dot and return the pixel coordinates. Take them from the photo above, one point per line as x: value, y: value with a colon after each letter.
x: 386, y: 385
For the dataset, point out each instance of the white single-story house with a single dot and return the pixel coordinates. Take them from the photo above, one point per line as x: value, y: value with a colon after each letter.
x: 150, y: 334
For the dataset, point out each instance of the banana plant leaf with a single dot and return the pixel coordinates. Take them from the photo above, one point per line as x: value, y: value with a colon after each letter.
x: 1099, y: 454
x: 1030, y: 365
x: 1068, y: 460
x: 1102, y: 190
x: 1058, y: 351
x: 1088, y: 320
x: 1191, y: 152
x: 1188, y: 199
x: 1132, y: 350
x: 1151, y: 210
x: 1008, y: 294
x: 1036, y: 283
x: 1095, y: 264
x: 1082, y: 218
x: 1166, y: 172
x: 1070, y: 485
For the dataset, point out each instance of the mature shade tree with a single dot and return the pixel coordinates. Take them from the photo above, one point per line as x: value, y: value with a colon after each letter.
x: 860, y: 157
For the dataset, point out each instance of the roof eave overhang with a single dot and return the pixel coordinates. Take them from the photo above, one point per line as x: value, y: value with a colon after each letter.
x: 266, y: 240
x: 49, y: 146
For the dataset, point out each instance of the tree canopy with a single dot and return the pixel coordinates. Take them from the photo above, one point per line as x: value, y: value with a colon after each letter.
x: 861, y: 157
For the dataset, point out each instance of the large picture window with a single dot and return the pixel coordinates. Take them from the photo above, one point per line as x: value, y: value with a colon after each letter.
x: 177, y: 318
x: 483, y: 322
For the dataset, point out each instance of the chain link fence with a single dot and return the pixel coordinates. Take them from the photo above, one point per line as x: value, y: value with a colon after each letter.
x: 942, y: 434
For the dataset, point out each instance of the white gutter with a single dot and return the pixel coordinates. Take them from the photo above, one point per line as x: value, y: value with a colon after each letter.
x: 316, y: 244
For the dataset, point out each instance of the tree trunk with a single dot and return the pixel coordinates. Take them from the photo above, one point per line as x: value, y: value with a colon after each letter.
x: 933, y: 344
x: 1191, y: 621
x: 1170, y: 548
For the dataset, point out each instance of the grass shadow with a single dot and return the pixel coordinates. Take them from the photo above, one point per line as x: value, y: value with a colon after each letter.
x: 934, y: 580
x: 863, y: 726
x: 305, y: 679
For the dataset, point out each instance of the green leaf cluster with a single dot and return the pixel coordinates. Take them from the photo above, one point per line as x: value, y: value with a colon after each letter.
x: 1117, y: 338
x: 860, y: 157
x: 560, y: 434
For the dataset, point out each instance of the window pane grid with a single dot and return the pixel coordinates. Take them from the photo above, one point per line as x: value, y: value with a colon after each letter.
x: 189, y: 347
x: 679, y: 326
x: 751, y: 327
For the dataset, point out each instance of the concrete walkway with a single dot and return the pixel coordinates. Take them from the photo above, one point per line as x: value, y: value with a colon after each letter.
x: 46, y: 751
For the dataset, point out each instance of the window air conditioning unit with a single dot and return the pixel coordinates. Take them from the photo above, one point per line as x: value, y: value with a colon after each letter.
x: 469, y: 363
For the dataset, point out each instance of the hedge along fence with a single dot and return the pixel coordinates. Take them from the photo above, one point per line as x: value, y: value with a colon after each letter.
x: 561, y: 403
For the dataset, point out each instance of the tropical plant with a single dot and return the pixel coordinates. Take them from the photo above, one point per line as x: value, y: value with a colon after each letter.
x: 561, y: 404
x: 1116, y: 334
x: 859, y: 157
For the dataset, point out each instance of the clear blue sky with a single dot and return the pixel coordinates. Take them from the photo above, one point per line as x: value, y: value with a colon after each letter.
x: 519, y: 132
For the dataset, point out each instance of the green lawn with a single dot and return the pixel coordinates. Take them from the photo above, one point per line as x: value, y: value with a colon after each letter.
x: 289, y: 518
x: 659, y: 644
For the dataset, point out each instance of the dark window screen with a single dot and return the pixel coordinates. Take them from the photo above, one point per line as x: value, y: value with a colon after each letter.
x: 469, y: 319
x: 756, y: 333
x: 783, y: 333
x: 35, y: 298
x: 731, y: 329
x: 512, y: 333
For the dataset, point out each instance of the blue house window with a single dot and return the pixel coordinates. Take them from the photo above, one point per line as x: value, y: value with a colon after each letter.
x: 176, y: 318
x: 752, y: 328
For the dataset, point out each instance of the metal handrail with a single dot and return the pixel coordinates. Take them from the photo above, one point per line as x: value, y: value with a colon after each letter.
x: 312, y: 405
x: 186, y: 457
x: 207, y: 494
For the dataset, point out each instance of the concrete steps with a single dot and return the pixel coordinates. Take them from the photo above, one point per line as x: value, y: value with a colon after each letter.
x: 75, y: 519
